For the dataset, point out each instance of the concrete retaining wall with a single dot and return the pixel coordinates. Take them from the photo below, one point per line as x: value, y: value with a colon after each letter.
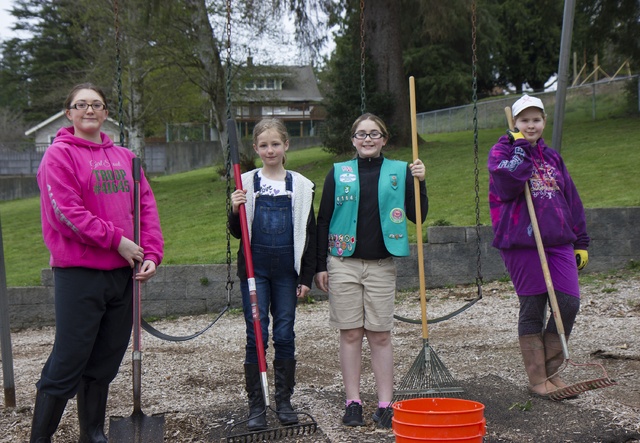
x: 450, y: 258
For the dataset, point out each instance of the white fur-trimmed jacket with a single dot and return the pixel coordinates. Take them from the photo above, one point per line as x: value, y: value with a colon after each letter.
x: 304, y: 225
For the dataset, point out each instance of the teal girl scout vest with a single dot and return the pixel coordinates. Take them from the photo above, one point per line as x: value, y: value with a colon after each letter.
x: 391, y: 191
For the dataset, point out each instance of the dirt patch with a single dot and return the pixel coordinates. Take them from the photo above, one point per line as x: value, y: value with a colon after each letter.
x: 199, y: 385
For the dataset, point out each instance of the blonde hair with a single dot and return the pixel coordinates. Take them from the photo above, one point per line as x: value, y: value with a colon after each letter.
x: 271, y: 123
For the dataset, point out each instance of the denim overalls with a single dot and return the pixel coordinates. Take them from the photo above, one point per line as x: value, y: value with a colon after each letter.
x: 275, y: 276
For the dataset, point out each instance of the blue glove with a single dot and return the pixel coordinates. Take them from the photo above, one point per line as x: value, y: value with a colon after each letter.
x: 582, y: 258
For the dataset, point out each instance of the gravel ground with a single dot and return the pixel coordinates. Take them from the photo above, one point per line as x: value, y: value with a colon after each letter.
x: 198, y: 384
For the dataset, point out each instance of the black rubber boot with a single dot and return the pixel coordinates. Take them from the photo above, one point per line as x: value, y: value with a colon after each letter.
x: 92, y: 406
x: 285, y: 380
x: 257, y: 409
x: 47, y: 413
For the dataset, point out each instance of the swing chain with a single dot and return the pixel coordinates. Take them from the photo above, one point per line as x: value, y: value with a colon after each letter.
x: 229, y: 285
x: 228, y: 48
x: 119, y: 73
x: 363, y: 105
x: 474, y: 64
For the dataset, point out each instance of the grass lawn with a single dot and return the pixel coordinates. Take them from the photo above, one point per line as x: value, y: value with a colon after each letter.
x: 602, y: 156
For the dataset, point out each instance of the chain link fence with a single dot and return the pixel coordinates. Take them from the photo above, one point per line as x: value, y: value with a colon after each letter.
x: 582, y: 100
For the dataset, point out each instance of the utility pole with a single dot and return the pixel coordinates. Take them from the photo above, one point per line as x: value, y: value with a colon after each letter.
x: 563, y: 73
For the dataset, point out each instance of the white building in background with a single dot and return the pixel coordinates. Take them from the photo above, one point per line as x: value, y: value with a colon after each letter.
x: 46, y: 131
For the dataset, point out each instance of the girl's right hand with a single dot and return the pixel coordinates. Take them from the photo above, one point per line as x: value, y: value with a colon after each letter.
x: 322, y: 281
x: 238, y: 197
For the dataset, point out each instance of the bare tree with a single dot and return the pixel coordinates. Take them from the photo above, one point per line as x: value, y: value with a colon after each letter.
x: 12, y: 126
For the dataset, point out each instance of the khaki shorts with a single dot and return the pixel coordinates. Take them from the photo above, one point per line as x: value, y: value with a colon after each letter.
x: 361, y: 293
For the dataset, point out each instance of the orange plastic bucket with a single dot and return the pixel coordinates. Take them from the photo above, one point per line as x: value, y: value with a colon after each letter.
x: 475, y: 439
x: 446, y: 431
x: 438, y: 420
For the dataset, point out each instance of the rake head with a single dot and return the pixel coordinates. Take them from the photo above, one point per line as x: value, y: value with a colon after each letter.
x: 580, y: 387
x: 427, y: 377
x: 307, y: 427
x: 573, y: 390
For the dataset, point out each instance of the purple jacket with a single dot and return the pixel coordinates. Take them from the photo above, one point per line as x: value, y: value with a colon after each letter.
x: 558, y: 206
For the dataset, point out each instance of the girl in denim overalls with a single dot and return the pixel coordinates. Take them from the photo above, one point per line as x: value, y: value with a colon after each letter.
x: 282, y: 229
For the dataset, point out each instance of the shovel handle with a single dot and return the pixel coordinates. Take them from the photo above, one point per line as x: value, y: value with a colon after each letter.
x: 137, y: 353
x: 542, y: 255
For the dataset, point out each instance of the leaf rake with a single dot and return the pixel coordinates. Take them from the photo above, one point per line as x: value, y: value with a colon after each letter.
x: 428, y: 376
x: 304, y: 427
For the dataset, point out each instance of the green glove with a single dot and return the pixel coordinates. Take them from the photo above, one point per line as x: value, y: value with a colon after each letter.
x: 514, y: 134
x: 582, y: 258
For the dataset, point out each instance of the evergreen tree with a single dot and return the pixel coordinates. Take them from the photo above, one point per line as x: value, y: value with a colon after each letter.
x: 530, y: 48
x: 47, y: 63
x: 341, y: 84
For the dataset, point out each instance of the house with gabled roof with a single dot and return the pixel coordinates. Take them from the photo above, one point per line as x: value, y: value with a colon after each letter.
x: 289, y: 93
x: 45, y: 131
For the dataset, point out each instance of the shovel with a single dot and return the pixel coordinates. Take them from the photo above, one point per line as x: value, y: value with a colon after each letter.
x: 137, y: 428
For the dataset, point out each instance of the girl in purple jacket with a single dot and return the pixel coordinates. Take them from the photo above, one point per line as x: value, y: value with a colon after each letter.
x: 521, y: 158
x: 86, y: 198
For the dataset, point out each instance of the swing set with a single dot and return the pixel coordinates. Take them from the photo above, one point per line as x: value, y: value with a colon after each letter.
x: 428, y: 376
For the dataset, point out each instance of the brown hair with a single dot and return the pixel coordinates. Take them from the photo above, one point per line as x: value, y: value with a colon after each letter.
x: 81, y: 86
x: 377, y: 120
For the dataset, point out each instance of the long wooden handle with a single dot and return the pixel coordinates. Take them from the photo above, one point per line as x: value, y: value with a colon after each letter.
x: 543, y: 257
x: 416, y: 191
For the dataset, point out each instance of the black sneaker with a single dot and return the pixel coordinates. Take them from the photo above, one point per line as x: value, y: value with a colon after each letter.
x: 383, y: 417
x: 353, y: 415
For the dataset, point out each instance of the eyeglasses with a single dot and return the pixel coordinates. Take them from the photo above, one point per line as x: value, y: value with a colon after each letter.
x: 97, y: 106
x: 373, y: 135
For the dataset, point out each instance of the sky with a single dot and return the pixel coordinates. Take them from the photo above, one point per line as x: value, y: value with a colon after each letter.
x: 272, y: 52
x: 6, y: 19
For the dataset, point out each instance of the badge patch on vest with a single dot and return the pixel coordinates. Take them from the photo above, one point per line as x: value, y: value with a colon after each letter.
x: 397, y: 215
x: 347, y: 177
x: 393, y: 178
x: 341, y: 242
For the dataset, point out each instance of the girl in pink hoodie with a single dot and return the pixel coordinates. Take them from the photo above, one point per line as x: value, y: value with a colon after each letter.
x: 86, y: 196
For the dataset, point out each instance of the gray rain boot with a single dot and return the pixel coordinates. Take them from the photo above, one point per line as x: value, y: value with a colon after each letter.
x: 92, y: 406
x: 47, y: 413
x: 257, y: 409
x: 285, y: 380
x: 532, y: 349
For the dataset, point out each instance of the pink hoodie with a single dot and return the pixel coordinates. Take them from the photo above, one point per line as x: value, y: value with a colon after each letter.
x: 86, y: 199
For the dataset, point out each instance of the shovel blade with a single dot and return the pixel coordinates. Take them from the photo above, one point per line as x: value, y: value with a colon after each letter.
x: 138, y: 428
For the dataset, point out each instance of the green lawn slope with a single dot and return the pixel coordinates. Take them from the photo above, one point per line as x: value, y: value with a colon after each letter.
x: 602, y: 156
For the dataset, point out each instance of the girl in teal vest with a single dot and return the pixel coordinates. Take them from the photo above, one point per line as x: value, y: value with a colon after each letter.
x: 362, y: 225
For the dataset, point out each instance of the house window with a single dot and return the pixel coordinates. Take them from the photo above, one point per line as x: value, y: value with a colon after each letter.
x: 264, y: 84
x: 299, y: 107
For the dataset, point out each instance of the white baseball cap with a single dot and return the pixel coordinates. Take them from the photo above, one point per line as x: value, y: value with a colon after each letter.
x: 524, y: 102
